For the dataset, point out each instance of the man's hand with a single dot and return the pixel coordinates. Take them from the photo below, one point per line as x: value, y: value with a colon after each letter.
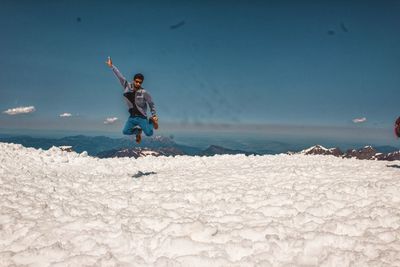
x: 109, y: 62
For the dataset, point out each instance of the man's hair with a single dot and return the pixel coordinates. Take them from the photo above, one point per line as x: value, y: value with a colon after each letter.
x: 138, y: 76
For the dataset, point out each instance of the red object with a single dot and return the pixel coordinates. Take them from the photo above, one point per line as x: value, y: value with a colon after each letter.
x: 397, y: 127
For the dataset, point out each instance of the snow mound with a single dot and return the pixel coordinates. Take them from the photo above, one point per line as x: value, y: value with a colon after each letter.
x: 61, y: 208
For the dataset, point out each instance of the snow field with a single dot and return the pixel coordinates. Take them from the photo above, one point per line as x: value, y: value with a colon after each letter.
x: 61, y: 208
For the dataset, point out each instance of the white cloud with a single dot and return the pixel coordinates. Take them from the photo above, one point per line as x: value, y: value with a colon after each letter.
x: 110, y: 120
x: 65, y: 115
x: 20, y: 110
x: 360, y: 120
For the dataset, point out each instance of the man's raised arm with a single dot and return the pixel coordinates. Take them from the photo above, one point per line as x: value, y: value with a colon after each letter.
x: 120, y: 77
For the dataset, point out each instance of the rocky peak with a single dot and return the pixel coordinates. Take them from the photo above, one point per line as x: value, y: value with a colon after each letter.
x: 366, y: 152
x: 320, y: 150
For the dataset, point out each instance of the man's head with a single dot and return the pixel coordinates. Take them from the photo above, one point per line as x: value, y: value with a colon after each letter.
x: 138, y: 80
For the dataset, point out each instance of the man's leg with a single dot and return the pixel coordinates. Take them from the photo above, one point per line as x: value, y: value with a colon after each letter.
x: 146, y: 126
x: 131, y: 126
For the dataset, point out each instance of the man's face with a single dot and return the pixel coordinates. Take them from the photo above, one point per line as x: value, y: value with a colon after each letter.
x: 137, y: 83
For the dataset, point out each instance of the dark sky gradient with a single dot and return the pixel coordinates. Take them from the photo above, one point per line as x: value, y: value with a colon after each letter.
x: 236, y: 62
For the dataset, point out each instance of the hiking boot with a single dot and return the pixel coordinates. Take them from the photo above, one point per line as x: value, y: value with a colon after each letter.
x: 154, y: 121
x: 139, y: 136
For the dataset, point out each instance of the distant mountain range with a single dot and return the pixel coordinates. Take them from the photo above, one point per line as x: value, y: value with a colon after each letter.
x: 100, y: 144
x: 105, y: 147
x: 140, y: 152
x: 168, y: 151
x: 367, y: 152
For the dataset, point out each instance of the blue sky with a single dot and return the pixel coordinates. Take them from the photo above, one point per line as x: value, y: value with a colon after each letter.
x: 320, y: 63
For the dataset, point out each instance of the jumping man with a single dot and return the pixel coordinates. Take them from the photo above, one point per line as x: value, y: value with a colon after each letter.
x: 137, y: 99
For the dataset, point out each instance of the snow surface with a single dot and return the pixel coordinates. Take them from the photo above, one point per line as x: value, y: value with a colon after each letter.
x: 61, y: 208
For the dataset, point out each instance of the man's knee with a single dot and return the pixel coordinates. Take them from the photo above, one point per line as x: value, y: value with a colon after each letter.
x: 127, y: 132
x: 148, y: 132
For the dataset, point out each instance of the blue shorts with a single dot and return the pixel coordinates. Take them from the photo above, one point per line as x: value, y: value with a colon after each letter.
x: 133, y: 124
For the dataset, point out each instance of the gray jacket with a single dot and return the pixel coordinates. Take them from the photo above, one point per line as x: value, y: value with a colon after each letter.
x: 142, y: 98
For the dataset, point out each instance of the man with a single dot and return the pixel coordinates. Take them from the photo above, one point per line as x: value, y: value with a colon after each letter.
x: 137, y: 99
x: 397, y: 127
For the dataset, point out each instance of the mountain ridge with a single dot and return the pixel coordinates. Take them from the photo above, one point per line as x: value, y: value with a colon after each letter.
x: 364, y: 153
x: 106, y: 147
